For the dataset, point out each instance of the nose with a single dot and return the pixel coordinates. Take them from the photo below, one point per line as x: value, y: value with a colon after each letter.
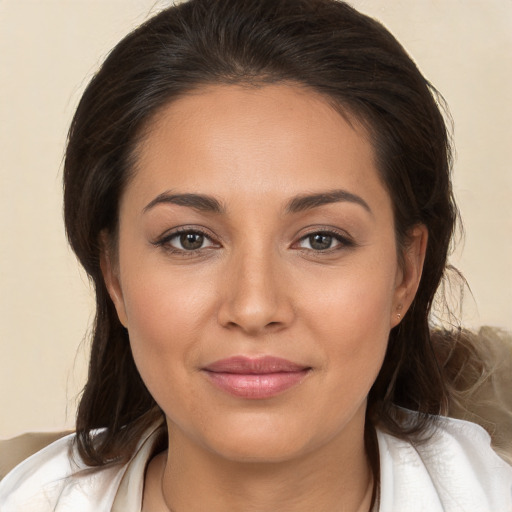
x: 255, y: 298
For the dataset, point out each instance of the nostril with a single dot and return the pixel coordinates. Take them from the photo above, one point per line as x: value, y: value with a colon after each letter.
x: 275, y: 326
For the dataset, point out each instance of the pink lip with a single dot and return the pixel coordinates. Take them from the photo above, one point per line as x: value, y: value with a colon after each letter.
x: 255, y: 378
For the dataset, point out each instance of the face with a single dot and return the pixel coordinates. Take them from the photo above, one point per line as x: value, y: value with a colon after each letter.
x: 257, y: 271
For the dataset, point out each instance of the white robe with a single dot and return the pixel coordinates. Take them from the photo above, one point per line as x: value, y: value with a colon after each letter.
x: 455, y: 471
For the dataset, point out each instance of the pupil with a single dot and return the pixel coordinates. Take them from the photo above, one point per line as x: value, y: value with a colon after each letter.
x: 191, y: 241
x: 320, y: 242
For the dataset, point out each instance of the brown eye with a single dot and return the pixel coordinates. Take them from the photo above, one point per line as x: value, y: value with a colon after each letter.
x: 324, y: 241
x: 320, y: 241
x: 191, y: 241
x: 186, y: 241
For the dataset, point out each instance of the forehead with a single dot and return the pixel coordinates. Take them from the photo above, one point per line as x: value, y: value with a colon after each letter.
x: 257, y: 141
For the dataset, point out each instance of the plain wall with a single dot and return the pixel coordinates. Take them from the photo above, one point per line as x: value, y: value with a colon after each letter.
x: 48, y: 51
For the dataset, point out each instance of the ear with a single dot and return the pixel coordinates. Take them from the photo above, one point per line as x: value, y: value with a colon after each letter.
x: 110, y: 270
x: 409, y: 274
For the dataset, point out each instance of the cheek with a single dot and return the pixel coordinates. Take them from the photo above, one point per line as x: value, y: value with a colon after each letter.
x: 355, y: 331
x: 347, y: 323
x: 355, y: 300
x: 166, y: 312
x: 349, y: 320
x: 164, y: 308
x: 163, y: 327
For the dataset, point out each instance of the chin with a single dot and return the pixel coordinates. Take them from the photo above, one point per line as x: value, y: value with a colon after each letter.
x: 247, y: 449
x: 261, y: 439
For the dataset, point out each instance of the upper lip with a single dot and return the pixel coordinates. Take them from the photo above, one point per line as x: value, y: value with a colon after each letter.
x: 254, y: 365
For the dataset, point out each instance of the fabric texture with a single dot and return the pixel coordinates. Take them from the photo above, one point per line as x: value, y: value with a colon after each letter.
x: 455, y: 471
x: 15, y: 450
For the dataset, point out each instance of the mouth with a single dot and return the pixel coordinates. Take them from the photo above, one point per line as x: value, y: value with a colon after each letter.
x: 255, y: 378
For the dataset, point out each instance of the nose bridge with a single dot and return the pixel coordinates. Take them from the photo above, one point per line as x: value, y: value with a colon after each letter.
x: 255, y: 298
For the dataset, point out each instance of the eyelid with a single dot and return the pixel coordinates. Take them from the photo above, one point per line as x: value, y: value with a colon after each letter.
x: 345, y: 240
x: 164, y: 239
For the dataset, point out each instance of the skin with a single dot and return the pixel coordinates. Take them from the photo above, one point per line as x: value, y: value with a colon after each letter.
x: 259, y: 285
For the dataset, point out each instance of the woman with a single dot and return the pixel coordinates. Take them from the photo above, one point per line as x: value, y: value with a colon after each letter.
x: 260, y: 191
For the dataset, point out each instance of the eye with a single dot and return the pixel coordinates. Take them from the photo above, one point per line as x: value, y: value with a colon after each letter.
x: 191, y: 241
x: 324, y: 241
x: 186, y: 240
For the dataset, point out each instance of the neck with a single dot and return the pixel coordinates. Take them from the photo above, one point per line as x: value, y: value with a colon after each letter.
x: 334, y: 478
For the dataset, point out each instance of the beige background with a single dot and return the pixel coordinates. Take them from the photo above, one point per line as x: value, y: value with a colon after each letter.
x: 49, y: 49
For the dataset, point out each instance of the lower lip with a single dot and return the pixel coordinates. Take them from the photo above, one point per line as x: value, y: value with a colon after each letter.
x: 256, y: 386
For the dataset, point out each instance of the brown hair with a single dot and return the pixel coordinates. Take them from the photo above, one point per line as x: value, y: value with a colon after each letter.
x: 325, y: 45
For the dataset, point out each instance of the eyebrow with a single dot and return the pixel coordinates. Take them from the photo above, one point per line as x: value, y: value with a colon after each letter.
x: 310, y: 201
x: 209, y: 204
x: 199, y: 202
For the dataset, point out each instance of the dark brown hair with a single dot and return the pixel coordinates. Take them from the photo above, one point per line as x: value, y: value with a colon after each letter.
x: 324, y: 45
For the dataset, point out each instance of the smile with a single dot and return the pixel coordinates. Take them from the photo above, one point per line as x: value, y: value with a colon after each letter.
x: 255, y: 379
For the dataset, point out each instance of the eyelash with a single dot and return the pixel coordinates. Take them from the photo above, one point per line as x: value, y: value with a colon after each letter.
x: 165, y: 241
x: 343, y: 241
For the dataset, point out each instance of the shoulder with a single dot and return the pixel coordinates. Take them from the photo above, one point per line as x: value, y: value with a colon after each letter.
x: 56, y: 479
x: 455, y: 470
